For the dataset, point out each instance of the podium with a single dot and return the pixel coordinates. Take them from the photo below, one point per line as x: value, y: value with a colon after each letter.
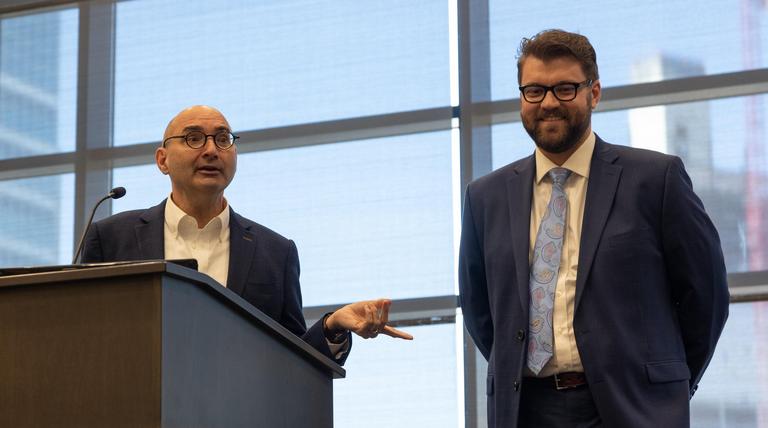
x: 151, y: 344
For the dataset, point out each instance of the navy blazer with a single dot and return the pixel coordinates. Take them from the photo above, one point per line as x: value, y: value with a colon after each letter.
x: 263, y: 265
x: 651, y: 291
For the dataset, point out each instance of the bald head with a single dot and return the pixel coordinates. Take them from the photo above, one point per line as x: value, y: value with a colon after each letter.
x: 191, y: 114
x: 198, y: 175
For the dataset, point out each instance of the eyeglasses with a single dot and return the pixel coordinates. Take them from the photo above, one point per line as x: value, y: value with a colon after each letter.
x: 562, y: 91
x: 197, y: 139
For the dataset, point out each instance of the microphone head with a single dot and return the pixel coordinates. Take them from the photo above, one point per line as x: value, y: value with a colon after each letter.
x: 117, y: 193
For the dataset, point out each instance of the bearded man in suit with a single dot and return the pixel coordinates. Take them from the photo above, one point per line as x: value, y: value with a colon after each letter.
x: 591, y: 278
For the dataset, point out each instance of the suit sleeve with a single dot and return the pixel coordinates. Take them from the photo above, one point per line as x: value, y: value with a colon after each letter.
x: 473, y: 287
x: 292, y: 316
x: 695, y: 265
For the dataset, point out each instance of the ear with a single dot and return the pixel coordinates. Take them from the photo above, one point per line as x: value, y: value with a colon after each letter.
x: 596, y: 94
x: 161, y: 158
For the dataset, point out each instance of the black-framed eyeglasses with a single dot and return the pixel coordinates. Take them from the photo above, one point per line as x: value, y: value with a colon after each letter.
x: 197, y: 139
x: 561, y: 91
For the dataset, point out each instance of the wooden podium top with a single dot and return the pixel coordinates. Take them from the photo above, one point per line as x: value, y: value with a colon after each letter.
x: 61, y: 274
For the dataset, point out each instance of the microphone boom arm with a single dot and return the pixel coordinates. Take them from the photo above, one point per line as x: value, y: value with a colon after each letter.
x: 116, y: 193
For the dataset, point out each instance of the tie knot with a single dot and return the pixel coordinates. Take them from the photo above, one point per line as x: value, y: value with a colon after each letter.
x: 559, y: 175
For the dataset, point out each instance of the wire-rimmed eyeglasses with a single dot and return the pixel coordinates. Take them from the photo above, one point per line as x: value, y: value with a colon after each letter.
x: 561, y: 91
x: 197, y: 139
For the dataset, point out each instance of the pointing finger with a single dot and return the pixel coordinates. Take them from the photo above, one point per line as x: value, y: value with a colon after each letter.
x: 393, y: 332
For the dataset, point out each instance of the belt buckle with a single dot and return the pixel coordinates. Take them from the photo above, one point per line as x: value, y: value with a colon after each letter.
x: 562, y: 387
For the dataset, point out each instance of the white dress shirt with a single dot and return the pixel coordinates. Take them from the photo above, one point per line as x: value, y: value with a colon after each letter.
x: 208, y: 245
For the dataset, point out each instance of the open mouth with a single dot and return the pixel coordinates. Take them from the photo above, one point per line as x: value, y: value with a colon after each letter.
x: 209, y: 170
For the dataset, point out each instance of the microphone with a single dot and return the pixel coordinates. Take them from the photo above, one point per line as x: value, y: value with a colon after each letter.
x: 116, y: 193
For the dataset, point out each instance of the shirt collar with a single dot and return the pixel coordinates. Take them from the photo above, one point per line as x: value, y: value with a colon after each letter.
x: 578, y: 163
x: 174, y: 216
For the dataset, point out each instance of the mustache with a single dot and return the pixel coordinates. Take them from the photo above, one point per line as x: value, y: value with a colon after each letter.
x: 558, y: 113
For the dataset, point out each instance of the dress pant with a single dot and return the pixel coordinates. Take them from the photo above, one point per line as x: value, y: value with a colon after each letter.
x: 542, y: 405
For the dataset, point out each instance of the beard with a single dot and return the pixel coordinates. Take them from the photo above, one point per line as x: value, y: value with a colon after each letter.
x: 560, y: 136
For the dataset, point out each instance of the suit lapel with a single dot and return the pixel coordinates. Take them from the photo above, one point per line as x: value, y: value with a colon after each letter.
x: 601, y: 190
x: 241, y: 249
x: 150, y: 233
x: 519, y: 194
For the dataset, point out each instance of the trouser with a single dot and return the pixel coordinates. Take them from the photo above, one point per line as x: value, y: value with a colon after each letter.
x: 542, y: 405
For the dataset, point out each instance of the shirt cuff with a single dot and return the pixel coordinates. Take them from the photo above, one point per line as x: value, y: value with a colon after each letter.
x: 338, y: 349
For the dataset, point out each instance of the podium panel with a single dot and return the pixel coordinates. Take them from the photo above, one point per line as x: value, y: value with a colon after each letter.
x: 151, y: 344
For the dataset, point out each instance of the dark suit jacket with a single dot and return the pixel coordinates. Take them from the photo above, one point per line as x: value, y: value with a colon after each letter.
x: 263, y: 265
x: 651, y: 291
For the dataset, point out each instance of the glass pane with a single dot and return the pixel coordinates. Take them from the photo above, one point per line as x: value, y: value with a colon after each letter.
x: 510, y: 142
x: 268, y: 64
x: 370, y: 218
x: 481, y: 385
x: 732, y: 392
x: 400, y: 384
x: 664, y: 41
x: 38, y: 83
x: 726, y: 155
x: 144, y: 186
x: 38, y: 218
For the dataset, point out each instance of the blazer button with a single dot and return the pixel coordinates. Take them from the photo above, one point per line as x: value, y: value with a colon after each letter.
x: 521, y: 335
x: 516, y: 385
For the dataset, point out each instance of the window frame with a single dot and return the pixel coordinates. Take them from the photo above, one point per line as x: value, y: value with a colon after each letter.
x: 476, y: 112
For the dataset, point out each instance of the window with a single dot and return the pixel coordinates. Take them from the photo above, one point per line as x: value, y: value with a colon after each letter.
x: 269, y: 64
x: 38, y: 221
x: 370, y: 218
x: 662, y: 41
x: 730, y: 393
x: 38, y: 83
x: 415, y: 382
x: 350, y: 146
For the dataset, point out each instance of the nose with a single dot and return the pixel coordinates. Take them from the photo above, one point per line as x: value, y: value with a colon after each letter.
x: 210, y: 149
x: 550, y: 101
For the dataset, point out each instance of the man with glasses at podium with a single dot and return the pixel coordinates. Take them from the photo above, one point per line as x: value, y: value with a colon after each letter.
x: 199, y: 155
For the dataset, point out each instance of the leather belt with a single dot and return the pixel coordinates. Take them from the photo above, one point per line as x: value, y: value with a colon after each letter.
x: 561, y: 381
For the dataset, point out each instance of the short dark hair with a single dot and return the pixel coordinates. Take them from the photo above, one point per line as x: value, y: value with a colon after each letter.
x: 551, y: 44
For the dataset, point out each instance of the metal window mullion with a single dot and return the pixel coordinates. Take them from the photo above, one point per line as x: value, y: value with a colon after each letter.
x: 95, y: 89
x: 474, y: 88
x: 26, y: 6
x: 341, y: 130
x: 37, y: 166
x: 294, y: 136
x: 475, y: 141
x: 744, y: 286
x: 434, y: 309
